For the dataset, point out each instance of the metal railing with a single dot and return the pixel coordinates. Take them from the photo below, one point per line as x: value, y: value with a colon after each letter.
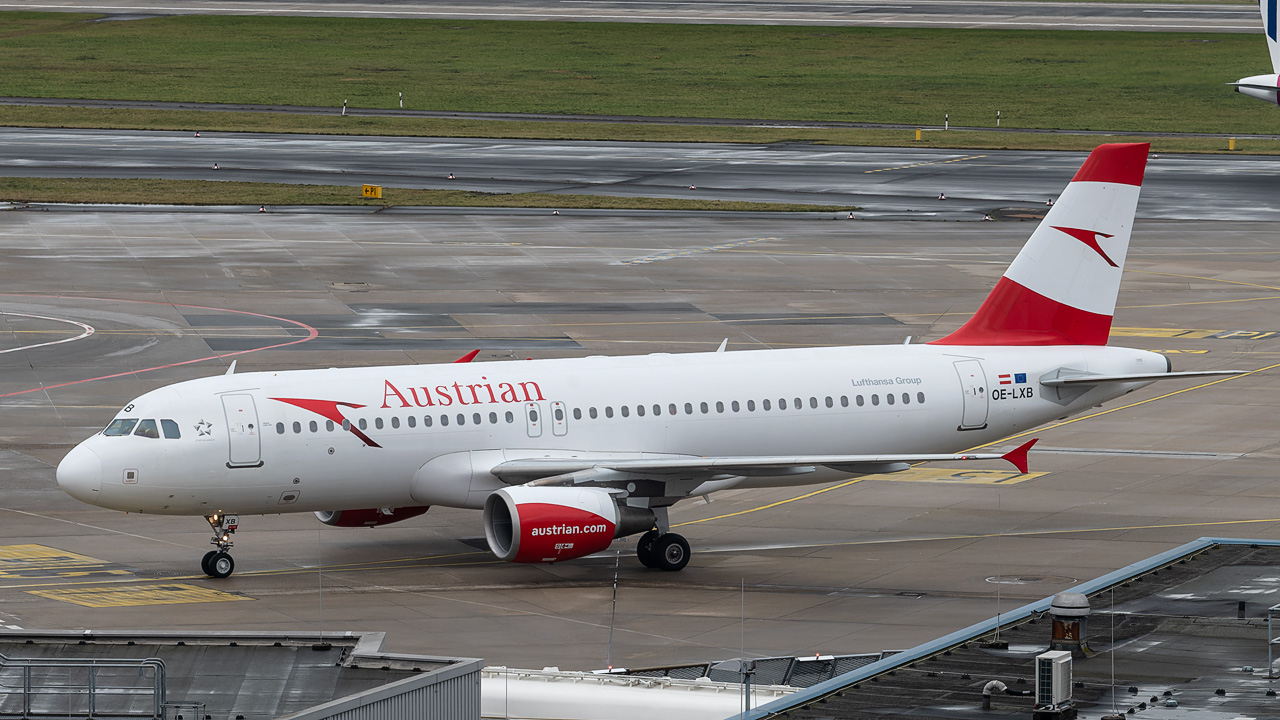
x: 36, y: 679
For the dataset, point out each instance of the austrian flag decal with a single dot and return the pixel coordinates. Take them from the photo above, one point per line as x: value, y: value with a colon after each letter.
x: 1011, y: 379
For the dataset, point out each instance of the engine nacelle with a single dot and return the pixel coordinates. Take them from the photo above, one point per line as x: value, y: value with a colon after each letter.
x: 549, y: 524
x: 371, y: 517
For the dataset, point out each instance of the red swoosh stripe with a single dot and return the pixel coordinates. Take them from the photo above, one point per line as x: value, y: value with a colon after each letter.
x: 328, y: 409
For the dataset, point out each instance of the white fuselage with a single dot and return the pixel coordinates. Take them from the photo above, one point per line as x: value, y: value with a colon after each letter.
x: 428, y: 434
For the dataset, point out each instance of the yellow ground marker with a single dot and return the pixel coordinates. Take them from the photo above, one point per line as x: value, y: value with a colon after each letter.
x: 17, y: 558
x: 967, y: 477
x: 136, y: 595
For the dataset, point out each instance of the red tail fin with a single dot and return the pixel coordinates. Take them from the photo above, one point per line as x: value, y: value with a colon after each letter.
x: 1061, y: 288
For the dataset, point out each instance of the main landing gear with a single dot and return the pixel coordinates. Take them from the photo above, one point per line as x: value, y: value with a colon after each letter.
x: 218, y: 563
x: 663, y: 551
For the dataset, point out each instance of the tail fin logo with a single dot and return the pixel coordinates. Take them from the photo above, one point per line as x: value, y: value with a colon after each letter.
x: 1090, y: 238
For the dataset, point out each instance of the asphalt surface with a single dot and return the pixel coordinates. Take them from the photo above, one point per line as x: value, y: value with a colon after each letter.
x: 884, y: 182
x: 880, y: 564
x: 911, y: 13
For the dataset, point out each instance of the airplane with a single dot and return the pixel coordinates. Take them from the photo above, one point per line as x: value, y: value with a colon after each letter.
x: 564, y: 456
x: 1265, y: 87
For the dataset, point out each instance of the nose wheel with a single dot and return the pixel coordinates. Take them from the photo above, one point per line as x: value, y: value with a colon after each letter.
x: 218, y: 563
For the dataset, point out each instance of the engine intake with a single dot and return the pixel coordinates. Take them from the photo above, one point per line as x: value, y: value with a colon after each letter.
x: 370, y: 517
x: 550, y: 524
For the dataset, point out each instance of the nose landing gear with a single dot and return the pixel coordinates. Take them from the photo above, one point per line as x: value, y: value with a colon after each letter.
x: 218, y: 563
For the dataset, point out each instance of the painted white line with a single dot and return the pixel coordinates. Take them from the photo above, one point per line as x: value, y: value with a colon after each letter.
x: 88, y: 330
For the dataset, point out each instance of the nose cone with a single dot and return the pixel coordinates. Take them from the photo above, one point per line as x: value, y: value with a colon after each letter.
x: 80, y: 474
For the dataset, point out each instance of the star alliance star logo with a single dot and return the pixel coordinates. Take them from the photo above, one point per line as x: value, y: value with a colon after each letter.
x: 204, y: 428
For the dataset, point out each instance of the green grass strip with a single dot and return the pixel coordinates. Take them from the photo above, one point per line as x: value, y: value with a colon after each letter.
x: 1116, y: 81
x: 210, y: 192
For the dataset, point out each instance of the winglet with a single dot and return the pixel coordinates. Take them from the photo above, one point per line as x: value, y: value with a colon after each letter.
x: 1018, y: 455
x: 231, y: 370
x: 468, y: 357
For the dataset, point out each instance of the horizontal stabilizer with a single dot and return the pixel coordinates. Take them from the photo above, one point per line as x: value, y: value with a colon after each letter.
x: 1068, y: 380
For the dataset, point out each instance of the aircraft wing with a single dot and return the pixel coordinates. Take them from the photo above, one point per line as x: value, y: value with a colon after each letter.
x: 1086, y: 379
x: 596, y: 469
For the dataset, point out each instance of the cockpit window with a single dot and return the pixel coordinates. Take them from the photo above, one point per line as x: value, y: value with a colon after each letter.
x: 147, y: 428
x: 120, y: 426
x: 171, y: 430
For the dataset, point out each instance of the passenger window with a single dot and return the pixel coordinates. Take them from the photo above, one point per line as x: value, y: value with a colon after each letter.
x: 844, y: 401
x: 462, y: 419
x: 147, y: 429
x: 363, y: 425
x: 171, y: 431
x: 751, y: 406
x: 813, y: 402
x: 640, y: 411
x: 577, y: 413
x: 626, y: 411
x: 764, y: 405
x: 719, y: 406
x: 426, y: 421
x: 444, y: 421
x: 799, y: 405
x: 920, y: 398
x: 671, y: 408
x: 782, y: 404
x: 377, y: 423
x: 592, y: 413
x: 346, y: 424
x: 314, y: 427
x: 328, y: 425
x: 509, y: 417
x: 475, y: 419
x: 688, y: 408
x: 493, y: 418
x: 888, y: 397
x: 830, y: 402
x: 735, y: 406
x: 120, y: 426
x: 297, y: 428
x: 906, y: 398
x: 657, y: 410
x: 608, y: 411
x: 875, y: 399
x: 533, y: 416
x: 861, y: 402
x: 412, y: 421
x: 280, y: 428
x: 703, y: 408
x: 395, y: 423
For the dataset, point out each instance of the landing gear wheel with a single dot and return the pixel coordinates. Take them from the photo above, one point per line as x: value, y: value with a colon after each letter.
x: 644, y: 549
x: 206, y: 562
x: 670, y: 552
x: 221, y: 565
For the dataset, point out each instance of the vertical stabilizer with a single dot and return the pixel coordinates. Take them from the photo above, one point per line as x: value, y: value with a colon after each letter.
x: 1061, y: 288
x: 1269, y: 26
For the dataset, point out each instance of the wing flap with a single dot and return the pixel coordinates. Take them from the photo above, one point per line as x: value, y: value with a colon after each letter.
x: 686, y: 465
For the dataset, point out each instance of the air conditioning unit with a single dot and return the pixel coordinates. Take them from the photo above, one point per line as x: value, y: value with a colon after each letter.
x: 1053, y: 685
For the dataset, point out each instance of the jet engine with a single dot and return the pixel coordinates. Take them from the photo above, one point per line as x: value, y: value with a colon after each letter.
x: 549, y: 524
x: 1263, y: 87
x: 370, y: 517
